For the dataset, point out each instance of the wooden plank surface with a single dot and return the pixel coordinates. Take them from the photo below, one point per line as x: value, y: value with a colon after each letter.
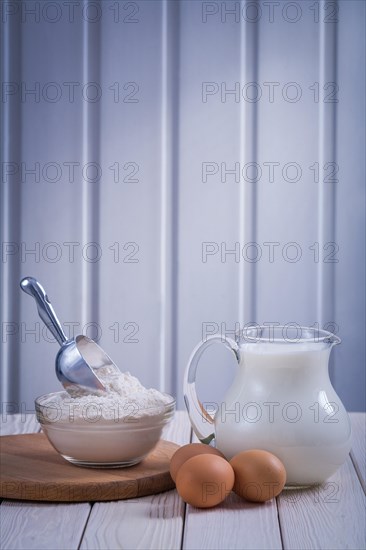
x: 42, y: 526
x: 232, y: 524
x: 332, y: 515
x: 358, y: 452
x: 149, y: 522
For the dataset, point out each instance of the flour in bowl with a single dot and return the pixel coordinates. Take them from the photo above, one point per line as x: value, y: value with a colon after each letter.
x: 126, y: 400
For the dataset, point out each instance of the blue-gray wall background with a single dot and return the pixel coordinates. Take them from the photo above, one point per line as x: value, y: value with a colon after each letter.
x: 120, y: 121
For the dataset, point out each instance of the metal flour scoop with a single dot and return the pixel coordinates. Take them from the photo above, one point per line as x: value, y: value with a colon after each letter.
x: 79, y: 359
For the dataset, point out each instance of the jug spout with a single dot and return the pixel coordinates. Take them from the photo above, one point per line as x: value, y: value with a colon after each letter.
x: 334, y: 340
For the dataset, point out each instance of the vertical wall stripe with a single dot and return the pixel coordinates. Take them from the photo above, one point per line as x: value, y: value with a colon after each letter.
x: 169, y: 185
x: 248, y: 154
x: 90, y: 189
x: 10, y: 209
x: 165, y: 279
x: 242, y: 141
x: 327, y: 153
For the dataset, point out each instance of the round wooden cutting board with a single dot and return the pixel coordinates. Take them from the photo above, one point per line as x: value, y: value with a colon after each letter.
x: 31, y: 469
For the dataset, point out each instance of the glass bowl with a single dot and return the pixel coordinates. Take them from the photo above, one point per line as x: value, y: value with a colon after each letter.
x: 98, y: 437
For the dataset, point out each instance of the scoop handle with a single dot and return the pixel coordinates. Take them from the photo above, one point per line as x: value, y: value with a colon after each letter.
x: 31, y: 286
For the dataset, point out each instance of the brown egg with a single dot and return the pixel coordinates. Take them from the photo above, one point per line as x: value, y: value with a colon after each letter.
x: 259, y: 475
x: 188, y: 451
x: 205, y: 480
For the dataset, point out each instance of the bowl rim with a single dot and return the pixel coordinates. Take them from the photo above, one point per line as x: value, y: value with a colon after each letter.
x: 43, y: 412
x: 168, y: 404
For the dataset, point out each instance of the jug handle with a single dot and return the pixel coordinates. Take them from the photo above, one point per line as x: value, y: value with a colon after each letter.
x: 202, y: 422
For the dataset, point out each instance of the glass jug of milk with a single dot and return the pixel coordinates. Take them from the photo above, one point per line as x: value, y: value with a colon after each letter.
x: 281, y: 401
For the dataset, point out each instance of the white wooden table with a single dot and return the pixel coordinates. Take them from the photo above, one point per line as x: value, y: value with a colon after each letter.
x: 330, y: 517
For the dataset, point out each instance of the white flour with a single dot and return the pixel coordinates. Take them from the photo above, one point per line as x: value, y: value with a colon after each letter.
x: 127, y: 399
